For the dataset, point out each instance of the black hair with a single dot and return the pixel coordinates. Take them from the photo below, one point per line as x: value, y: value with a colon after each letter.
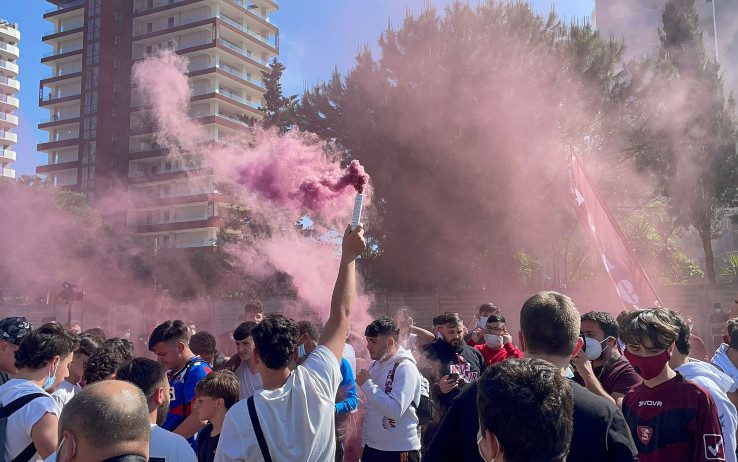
x: 733, y: 333
x: 104, y: 418
x: 310, y: 328
x: 169, y: 331
x: 496, y: 318
x: 437, y: 320
x: 550, y: 324
x: 41, y: 345
x: 605, y: 320
x: 656, y: 324
x: 97, y: 333
x: 683, y: 343
x: 202, y: 343
x: 488, y: 308
x: 275, y: 339
x: 104, y: 362
x: 253, y: 306
x: 87, y: 344
x: 528, y: 405
x: 122, y: 346
x: 145, y: 373
x: 449, y: 318
x: 383, y: 326
x: 244, y: 330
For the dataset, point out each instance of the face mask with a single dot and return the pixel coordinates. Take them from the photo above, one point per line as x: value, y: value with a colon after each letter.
x: 493, y: 341
x: 49, y: 381
x: 127, y: 335
x: 717, y: 310
x: 438, y: 335
x: 482, y: 321
x: 479, y: 447
x: 726, y: 339
x: 301, y: 353
x: 648, y: 367
x: 593, y: 349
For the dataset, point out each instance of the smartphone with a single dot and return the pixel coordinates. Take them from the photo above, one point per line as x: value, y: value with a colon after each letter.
x: 453, y: 377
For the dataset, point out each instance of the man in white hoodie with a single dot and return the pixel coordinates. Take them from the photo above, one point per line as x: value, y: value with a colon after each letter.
x: 392, y: 389
x: 708, y: 377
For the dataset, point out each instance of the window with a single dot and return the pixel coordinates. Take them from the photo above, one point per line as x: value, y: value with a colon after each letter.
x: 149, y: 27
x: 170, y: 22
x: 93, y: 53
x: 148, y: 49
x: 92, y: 77
x: 165, y: 241
x: 165, y: 216
x: 90, y: 102
x: 90, y: 127
x: 93, y: 29
x: 94, y: 7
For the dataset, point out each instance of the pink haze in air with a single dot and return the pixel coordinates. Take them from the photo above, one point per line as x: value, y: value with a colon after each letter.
x: 278, y: 179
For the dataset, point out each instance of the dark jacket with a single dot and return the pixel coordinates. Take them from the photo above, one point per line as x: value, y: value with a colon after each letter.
x: 600, y: 431
x: 442, y: 359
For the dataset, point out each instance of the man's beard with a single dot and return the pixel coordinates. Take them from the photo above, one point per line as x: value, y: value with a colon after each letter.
x: 458, y: 345
x: 161, y: 413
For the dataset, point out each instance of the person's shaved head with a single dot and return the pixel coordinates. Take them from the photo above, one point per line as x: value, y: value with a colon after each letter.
x: 108, y: 419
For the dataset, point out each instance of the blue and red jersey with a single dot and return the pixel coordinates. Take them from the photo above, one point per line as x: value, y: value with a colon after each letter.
x: 675, y: 421
x: 182, y: 391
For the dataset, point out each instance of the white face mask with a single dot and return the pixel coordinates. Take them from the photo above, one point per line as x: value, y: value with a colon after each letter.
x: 593, y: 348
x: 479, y: 447
x: 493, y: 341
x: 482, y: 321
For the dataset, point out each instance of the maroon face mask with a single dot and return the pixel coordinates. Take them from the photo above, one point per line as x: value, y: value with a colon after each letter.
x: 648, y: 367
x: 726, y: 339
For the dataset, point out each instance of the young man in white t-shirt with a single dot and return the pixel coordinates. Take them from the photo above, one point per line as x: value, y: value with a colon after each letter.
x: 296, y: 409
x: 12, y: 332
x: 70, y: 386
x: 245, y: 367
x: 151, y: 377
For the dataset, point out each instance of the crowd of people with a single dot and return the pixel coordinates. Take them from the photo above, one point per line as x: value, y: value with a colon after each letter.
x: 570, y: 387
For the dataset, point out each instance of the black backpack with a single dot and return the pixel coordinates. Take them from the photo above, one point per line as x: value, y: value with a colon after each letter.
x: 424, y: 409
x: 5, y: 412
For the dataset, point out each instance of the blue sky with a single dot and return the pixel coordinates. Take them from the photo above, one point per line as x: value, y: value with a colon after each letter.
x: 315, y: 38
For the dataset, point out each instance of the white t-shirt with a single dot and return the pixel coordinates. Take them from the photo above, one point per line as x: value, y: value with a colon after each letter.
x: 18, y: 435
x: 249, y: 382
x: 350, y: 354
x: 65, y: 392
x: 169, y: 446
x: 298, y: 420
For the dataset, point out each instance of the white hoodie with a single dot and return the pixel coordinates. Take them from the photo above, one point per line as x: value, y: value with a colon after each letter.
x: 717, y: 384
x: 721, y: 360
x: 391, y: 423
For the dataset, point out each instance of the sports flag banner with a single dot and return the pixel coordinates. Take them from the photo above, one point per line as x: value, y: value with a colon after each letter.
x: 631, y: 282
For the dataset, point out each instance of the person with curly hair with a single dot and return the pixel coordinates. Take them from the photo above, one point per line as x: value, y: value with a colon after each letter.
x: 70, y: 386
x: 295, y: 410
x: 42, y: 360
x: 105, y: 361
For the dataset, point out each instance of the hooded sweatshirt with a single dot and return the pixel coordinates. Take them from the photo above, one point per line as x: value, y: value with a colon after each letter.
x: 391, y: 423
x: 722, y: 361
x: 717, y: 384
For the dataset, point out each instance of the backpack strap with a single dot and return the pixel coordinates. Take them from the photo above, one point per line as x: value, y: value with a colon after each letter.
x: 10, y: 409
x: 257, y: 430
x: 394, y: 369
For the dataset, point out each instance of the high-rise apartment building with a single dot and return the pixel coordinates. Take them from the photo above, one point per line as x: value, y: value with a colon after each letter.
x: 101, y: 133
x: 9, y: 86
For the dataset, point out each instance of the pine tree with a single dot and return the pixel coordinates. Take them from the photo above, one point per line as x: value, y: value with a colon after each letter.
x: 279, y: 110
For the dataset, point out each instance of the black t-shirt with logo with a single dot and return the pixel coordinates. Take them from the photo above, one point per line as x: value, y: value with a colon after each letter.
x: 206, y: 444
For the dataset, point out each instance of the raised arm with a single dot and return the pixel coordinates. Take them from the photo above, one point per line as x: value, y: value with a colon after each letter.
x: 334, y: 333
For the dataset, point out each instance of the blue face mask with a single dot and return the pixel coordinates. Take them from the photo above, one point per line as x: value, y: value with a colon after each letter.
x: 49, y: 381
x: 301, y: 353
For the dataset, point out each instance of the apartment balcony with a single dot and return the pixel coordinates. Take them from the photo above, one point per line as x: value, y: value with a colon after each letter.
x: 262, y: 64
x: 62, y: 74
x: 59, y: 97
x: 7, y: 156
x: 9, y: 85
x: 65, y: 30
x: 270, y: 42
x: 8, y: 51
x: 63, y: 7
x: 59, y: 141
x: 8, y: 120
x: 252, y: 9
x: 57, y: 167
x: 227, y: 71
x: 7, y: 137
x: 63, y: 54
x: 58, y: 121
x: 179, y: 199
x: 8, y: 173
x: 9, y: 67
x: 9, y: 103
x: 9, y: 33
x: 137, y: 177
x: 178, y: 225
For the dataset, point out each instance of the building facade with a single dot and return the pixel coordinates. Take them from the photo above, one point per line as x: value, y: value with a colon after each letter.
x: 9, y: 87
x: 101, y: 133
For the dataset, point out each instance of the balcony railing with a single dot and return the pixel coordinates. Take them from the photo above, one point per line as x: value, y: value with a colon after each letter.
x: 64, y: 6
x: 66, y: 50
x: 59, y: 95
x: 235, y: 97
x: 253, y: 10
x: 10, y: 100
x: 8, y: 172
x: 10, y: 82
x: 12, y: 31
x: 59, y: 118
x: 8, y: 154
x: 8, y: 136
x: 271, y: 42
x: 240, y: 75
x: 11, y: 67
x: 62, y: 72
x: 10, y: 48
x: 242, y: 52
x: 10, y: 118
x: 65, y: 28
x: 146, y: 7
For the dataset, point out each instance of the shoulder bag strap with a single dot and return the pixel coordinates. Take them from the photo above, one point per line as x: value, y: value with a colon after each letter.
x: 257, y: 430
x: 8, y: 410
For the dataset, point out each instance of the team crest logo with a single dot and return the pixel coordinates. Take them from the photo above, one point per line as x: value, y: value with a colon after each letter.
x: 644, y: 433
x: 714, y: 448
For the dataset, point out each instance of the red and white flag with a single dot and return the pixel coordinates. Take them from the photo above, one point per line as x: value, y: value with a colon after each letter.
x: 631, y: 282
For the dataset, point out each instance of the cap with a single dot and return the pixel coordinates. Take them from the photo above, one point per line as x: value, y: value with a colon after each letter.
x: 14, y: 329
